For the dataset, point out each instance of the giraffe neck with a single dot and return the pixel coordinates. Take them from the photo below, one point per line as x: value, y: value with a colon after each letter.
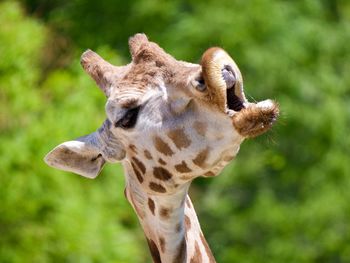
x: 170, y: 224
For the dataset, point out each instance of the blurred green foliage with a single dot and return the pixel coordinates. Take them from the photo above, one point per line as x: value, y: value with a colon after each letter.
x: 286, y: 196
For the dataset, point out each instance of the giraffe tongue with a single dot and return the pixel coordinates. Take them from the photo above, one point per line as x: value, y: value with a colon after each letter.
x: 228, y: 76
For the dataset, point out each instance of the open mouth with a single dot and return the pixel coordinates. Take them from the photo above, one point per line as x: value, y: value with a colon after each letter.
x: 225, y: 80
x: 233, y: 102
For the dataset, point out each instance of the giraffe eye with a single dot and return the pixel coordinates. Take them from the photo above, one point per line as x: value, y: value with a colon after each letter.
x: 199, y: 84
x: 129, y: 119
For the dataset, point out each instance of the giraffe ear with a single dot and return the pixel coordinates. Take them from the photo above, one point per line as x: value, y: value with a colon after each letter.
x: 81, y: 156
x: 87, y: 155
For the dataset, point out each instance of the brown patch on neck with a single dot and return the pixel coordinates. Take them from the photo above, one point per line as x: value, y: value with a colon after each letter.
x: 162, y: 173
x: 187, y: 223
x: 162, y: 146
x: 151, y: 205
x: 182, y: 168
x: 200, y: 127
x: 133, y: 148
x: 209, y: 174
x: 179, y: 138
x: 161, y: 161
x: 180, y: 257
x: 137, y: 173
x: 207, y: 249
x: 139, y: 164
x: 201, y: 157
x: 164, y: 213
x: 157, y: 187
x: 154, y: 251
x: 197, y: 256
x: 162, y: 244
x: 147, y: 155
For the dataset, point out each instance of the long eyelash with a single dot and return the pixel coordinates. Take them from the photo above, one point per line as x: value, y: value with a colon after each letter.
x: 129, y: 119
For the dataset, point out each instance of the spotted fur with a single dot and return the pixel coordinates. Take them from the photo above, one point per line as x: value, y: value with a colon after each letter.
x: 187, y: 125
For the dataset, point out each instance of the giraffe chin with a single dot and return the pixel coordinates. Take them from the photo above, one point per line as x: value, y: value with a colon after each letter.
x: 255, y: 118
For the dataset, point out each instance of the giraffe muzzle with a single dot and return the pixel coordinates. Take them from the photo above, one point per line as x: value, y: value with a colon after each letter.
x: 225, y: 87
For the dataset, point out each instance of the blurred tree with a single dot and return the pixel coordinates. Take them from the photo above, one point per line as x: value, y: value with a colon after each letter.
x: 46, y: 215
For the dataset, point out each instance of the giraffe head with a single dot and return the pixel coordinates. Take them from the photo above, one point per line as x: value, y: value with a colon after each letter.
x: 168, y: 121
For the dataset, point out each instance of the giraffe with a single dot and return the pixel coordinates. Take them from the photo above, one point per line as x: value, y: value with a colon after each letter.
x: 168, y: 122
